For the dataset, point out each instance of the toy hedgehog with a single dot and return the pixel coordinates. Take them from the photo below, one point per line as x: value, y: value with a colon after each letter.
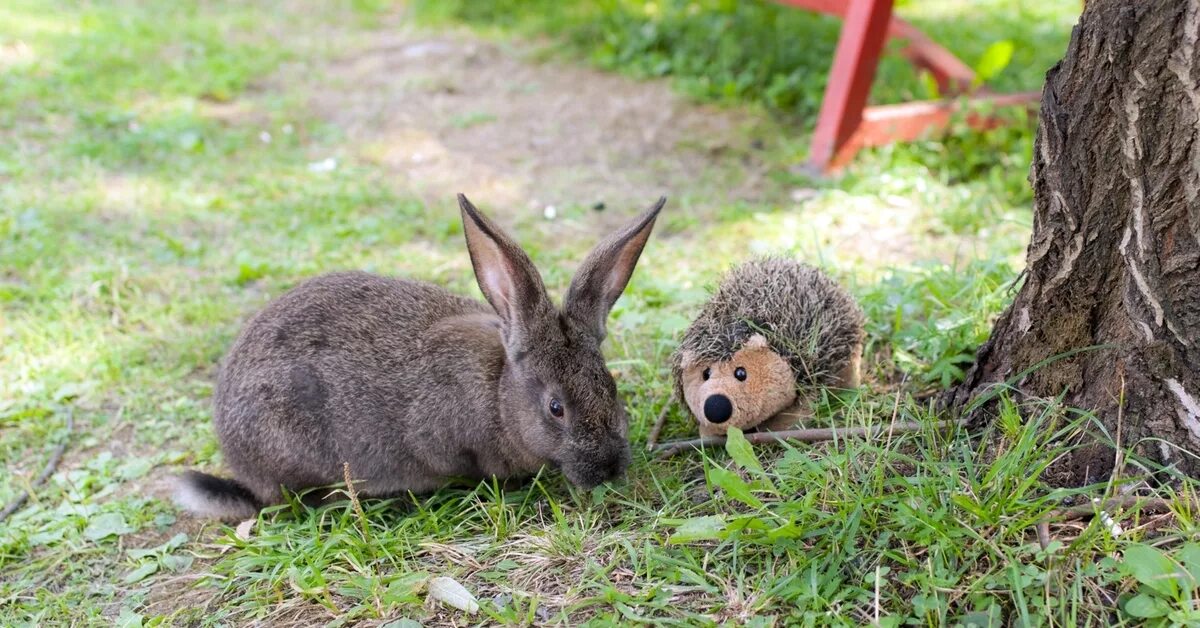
x: 773, y: 328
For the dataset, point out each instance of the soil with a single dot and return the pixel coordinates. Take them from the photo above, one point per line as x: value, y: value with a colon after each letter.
x: 451, y: 113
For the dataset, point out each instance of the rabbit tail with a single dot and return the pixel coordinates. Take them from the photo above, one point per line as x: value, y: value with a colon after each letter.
x: 213, y: 497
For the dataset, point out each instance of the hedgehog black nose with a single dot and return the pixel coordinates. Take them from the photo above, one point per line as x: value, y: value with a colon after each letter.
x: 718, y: 409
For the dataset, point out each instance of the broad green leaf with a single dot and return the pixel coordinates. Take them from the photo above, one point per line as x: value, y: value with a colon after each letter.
x: 1189, y: 557
x: 629, y: 613
x: 1184, y: 617
x: 1152, y: 568
x: 141, y: 573
x: 734, y: 486
x: 994, y: 60
x: 990, y: 618
x: 171, y: 545
x: 745, y: 522
x: 137, y: 553
x: 176, y: 563
x: 699, y: 529
x: 1147, y: 606
x: 405, y: 589
x: 134, y: 468
x: 106, y: 525
x: 788, y: 530
x: 176, y: 541
x: 742, y: 452
x: 129, y: 619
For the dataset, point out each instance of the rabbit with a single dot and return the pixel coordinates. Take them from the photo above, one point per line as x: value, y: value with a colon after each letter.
x: 413, y: 385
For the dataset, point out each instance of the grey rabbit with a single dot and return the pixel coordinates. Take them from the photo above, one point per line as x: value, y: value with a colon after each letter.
x: 413, y: 385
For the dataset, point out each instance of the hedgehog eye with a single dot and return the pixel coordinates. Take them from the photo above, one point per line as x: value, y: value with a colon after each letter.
x: 707, y: 373
x: 740, y: 374
x: 556, y: 408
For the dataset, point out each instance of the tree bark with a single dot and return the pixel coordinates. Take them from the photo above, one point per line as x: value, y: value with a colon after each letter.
x: 1114, y: 259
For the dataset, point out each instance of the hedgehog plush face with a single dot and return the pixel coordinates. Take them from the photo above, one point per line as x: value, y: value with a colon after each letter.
x: 743, y: 391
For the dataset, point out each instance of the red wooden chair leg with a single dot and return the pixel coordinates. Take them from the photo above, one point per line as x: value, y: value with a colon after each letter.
x: 952, y: 75
x: 847, y: 125
x: 859, y: 46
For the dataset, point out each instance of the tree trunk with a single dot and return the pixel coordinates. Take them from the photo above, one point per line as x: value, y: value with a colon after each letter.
x: 1114, y: 259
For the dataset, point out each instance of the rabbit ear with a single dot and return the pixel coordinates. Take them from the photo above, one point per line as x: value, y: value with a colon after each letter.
x: 505, y: 275
x: 603, y: 275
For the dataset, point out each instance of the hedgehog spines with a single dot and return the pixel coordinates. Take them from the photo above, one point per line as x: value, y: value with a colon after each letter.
x: 806, y: 317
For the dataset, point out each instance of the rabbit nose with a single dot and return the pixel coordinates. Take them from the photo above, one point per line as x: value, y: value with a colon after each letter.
x: 619, y: 460
x: 718, y: 409
x: 615, y: 468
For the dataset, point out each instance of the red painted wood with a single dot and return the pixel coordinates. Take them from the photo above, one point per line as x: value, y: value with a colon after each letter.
x: 951, y: 74
x: 846, y: 124
x: 909, y: 121
x: 831, y: 7
x: 859, y: 46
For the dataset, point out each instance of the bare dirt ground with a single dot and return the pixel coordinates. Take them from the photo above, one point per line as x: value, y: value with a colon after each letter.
x: 519, y: 129
x: 450, y: 113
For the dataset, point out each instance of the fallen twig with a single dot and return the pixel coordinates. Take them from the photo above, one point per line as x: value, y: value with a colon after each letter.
x: 928, y: 393
x: 1126, y: 502
x: 47, y: 471
x: 666, y: 450
x: 652, y: 440
x: 1043, y: 533
x: 1103, y: 509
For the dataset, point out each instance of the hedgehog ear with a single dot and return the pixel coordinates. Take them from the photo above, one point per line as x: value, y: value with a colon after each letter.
x: 602, y: 276
x: 688, y: 359
x: 757, y: 341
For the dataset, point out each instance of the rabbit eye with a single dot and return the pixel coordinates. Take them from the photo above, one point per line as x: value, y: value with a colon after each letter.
x: 740, y: 374
x: 706, y: 374
x: 556, y: 408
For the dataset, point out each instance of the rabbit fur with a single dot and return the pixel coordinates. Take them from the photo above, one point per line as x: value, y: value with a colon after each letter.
x: 413, y: 385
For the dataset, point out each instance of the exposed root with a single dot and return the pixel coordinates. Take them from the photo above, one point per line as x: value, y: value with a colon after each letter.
x: 657, y: 428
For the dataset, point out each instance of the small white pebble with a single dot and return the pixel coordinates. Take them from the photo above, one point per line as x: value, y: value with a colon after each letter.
x: 550, y: 212
x: 265, y: 137
x: 328, y: 164
x: 800, y: 195
x: 1114, y: 528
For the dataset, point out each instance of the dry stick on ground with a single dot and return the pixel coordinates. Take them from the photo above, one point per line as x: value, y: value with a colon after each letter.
x: 652, y: 440
x: 47, y: 471
x: 1148, y: 505
x: 1127, y: 502
x: 928, y: 393
x: 1043, y: 533
x: 666, y: 450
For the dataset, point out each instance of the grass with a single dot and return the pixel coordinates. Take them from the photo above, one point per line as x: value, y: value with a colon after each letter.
x: 160, y: 183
